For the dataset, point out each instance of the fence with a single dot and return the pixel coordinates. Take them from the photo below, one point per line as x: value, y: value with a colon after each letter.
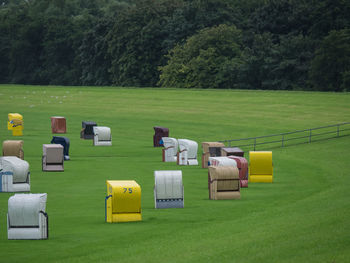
x: 292, y: 138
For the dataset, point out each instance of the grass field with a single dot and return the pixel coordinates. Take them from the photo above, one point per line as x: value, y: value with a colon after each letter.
x: 304, y: 216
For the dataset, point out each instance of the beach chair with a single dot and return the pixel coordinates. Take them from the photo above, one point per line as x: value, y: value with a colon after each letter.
x: 58, y: 124
x: 14, y: 175
x: 222, y: 161
x: 15, y: 124
x: 210, y: 149
x: 87, y: 131
x: 242, y: 165
x: 102, y: 136
x: 169, y: 152
x: 52, y: 160
x: 168, y: 189
x: 228, y: 151
x: 13, y: 148
x: 64, y: 141
x: 223, y: 183
x: 159, y: 133
x: 27, y: 217
x: 123, y: 201
x: 260, y: 167
x: 188, y: 152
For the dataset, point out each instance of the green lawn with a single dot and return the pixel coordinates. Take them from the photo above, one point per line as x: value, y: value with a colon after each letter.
x: 304, y: 216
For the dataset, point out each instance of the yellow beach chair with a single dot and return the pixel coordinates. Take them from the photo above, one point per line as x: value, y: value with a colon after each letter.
x: 15, y: 124
x: 123, y: 201
x: 260, y: 167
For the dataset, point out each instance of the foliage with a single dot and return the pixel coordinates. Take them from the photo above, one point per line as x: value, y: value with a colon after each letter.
x: 259, y: 60
x: 209, y: 59
x: 125, y: 42
x: 135, y: 42
x: 93, y: 58
x: 331, y: 65
x: 328, y: 15
x: 143, y: 34
x: 20, y: 59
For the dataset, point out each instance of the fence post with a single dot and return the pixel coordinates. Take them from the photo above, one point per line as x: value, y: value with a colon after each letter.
x: 254, y: 143
x: 229, y: 144
x: 338, y: 130
x: 310, y: 135
x: 282, y: 140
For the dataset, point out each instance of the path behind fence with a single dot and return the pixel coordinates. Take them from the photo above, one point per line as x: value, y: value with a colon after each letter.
x: 291, y: 138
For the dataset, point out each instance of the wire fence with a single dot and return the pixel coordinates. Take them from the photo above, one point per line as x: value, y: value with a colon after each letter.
x: 291, y: 138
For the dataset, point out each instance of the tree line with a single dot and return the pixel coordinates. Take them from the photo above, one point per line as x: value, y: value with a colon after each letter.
x: 222, y: 44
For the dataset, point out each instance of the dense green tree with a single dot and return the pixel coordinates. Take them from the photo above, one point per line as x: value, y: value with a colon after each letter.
x: 328, y: 15
x: 209, y: 59
x: 135, y: 42
x: 25, y: 54
x: 124, y: 42
x: 144, y: 34
x: 5, y: 44
x: 295, y: 54
x: 283, y: 66
x: 331, y: 65
x: 93, y: 56
x: 94, y: 59
x: 282, y: 17
x: 20, y: 44
x: 192, y: 16
x: 59, y: 52
x: 284, y: 59
x: 345, y: 85
x: 41, y: 39
x: 260, y: 58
